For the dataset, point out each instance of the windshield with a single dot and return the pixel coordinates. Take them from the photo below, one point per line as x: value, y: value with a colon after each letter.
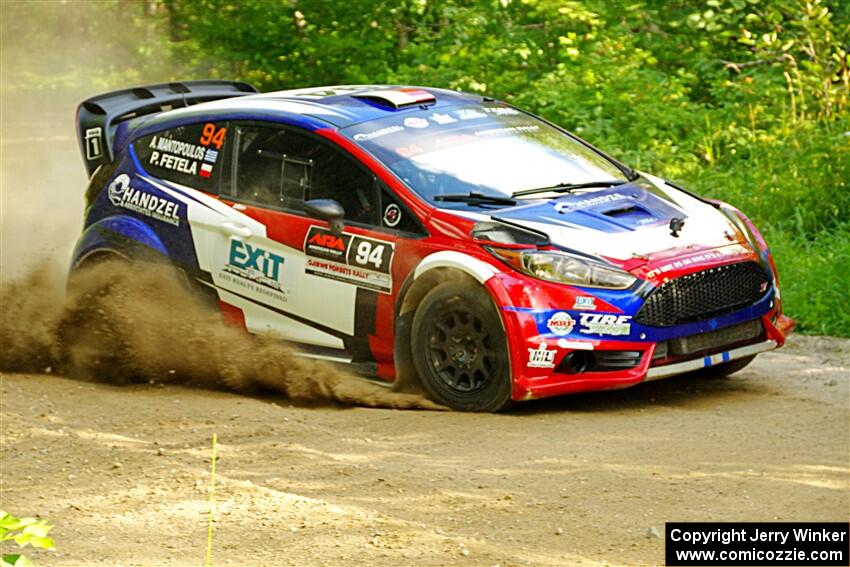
x: 491, y: 150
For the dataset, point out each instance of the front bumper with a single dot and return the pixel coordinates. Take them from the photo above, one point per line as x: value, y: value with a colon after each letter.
x: 536, y: 382
x: 667, y: 370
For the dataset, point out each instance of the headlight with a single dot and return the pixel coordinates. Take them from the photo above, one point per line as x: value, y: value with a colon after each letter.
x: 565, y: 268
x: 741, y: 226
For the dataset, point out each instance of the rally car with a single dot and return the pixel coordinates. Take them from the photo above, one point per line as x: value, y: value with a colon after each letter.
x: 426, y: 235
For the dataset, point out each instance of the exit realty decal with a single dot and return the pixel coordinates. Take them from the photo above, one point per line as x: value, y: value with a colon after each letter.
x: 256, y: 269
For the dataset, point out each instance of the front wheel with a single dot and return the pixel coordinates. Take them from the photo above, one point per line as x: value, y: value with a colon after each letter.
x: 460, y: 349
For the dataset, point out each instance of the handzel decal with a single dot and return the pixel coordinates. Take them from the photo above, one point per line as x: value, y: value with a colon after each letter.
x: 569, y: 206
x: 605, y: 324
x: 121, y: 194
x: 364, y: 262
x: 258, y: 266
x: 561, y: 323
x: 541, y: 357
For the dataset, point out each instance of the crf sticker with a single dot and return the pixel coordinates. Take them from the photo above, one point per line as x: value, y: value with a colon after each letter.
x: 561, y: 323
x: 603, y: 324
x: 541, y: 357
x: 364, y: 262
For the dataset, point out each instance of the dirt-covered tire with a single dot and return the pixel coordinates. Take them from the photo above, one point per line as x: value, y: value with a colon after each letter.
x: 460, y: 350
x: 722, y: 370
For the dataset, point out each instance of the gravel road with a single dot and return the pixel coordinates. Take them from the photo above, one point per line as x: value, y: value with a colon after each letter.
x: 124, y: 472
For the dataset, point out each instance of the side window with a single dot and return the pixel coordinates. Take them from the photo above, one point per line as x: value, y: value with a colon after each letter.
x: 191, y: 155
x: 395, y: 216
x: 271, y: 167
x: 282, y: 168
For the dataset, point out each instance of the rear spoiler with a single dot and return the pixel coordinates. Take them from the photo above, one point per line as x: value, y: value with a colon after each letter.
x: 98, y: 117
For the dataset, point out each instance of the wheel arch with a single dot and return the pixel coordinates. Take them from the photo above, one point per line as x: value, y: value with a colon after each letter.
x: 117, y: 236
x: 435, y: 269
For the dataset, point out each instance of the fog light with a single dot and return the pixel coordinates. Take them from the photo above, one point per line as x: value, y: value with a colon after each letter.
x: 578, y: 362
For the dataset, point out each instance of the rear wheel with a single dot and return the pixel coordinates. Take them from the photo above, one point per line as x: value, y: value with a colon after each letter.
x: 460, y: 349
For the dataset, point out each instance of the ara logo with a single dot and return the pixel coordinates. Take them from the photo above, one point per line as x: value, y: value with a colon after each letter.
x: 255, y: 263
x: 322, y: 243
x: 327, y: 241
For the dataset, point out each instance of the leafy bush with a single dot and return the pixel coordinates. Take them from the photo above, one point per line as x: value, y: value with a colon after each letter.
x: 24, y: 532
x: 743, y: 100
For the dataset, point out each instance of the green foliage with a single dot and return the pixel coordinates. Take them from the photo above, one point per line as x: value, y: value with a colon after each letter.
x: 813, y: 278
x: 743, y: 100
x: 24, y: 532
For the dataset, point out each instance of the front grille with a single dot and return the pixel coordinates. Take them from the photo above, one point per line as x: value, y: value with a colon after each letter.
x: 617, y: 359
x: 704, y: 294
x: 748, y: 331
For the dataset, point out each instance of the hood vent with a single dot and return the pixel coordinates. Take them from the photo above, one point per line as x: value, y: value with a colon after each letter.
x: 624, y: 211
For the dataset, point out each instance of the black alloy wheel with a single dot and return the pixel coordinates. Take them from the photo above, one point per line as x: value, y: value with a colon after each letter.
x: 460, y: 350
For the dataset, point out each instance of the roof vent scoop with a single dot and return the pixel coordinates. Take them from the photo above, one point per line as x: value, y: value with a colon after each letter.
x: 398, y: 98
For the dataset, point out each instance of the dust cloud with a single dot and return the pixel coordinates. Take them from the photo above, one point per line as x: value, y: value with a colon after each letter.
x: 114, y: 325
x: 128, y: 324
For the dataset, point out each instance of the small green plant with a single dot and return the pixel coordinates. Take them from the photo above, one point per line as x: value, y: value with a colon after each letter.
x: 208, y: 558
x: 24, y: 532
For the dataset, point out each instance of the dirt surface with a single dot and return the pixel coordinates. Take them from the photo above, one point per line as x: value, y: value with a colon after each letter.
x: 124, y: 472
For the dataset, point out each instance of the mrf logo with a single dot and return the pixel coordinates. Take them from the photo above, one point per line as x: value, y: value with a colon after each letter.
x: 255, y: 263
x: 561, y: 323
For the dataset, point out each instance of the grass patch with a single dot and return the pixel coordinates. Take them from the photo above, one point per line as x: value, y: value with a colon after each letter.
x: 814, y: 276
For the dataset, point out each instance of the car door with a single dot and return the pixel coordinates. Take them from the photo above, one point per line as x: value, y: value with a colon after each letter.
x: 288, y: 273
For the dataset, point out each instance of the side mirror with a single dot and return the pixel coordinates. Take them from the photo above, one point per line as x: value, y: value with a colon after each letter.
x: 326, y: 209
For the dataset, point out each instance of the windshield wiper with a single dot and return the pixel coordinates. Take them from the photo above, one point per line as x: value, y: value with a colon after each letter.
x: 475, y: 198
x: 567, y: 187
